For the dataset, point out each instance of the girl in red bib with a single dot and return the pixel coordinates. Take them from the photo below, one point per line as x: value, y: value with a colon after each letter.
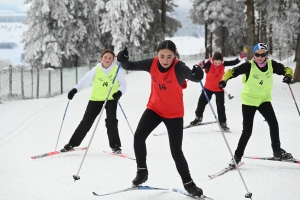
x: 165, y: 105
x: 215, y: 69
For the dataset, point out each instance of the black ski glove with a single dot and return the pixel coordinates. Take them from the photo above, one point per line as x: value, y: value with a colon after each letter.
x: 222, y: 84
x: 123, y: 56
x: 197, y: 72
x: 287, y: 79
x: 72, y: 93
x: 117, y: 95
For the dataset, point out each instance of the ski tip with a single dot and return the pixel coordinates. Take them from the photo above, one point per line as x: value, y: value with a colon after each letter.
x: 212, y: 176
x: 100, y: 195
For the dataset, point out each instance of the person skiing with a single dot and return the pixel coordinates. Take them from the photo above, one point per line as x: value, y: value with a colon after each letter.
x: 257, y: 95
x: 165, y: 105
x: 214, y: 69
x: 101, y: 76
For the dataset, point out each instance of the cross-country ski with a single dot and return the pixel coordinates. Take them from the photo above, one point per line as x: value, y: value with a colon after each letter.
x: 292, y: 160
x: 186, y: 127
x: 130, y: 189
x: 119, y: 154
x: 223, y: 171
x: 52, y: 153
x: 201, y: 124
x: 202, y: 197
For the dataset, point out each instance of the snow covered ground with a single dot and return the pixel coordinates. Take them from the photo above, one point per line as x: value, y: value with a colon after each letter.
x: 31, y: 127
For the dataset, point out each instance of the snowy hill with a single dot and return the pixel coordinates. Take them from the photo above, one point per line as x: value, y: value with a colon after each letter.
x: 31, y: 127
x: 12, y: 33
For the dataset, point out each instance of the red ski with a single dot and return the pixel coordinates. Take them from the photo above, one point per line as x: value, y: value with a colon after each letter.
x: 52, y: 153
x: 292, y: 160
x: 119, y: 154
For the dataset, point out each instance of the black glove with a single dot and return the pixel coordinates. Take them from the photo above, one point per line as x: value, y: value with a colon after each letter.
x: 117, y: 95
x: 123, y: 56
x: 197, y: 72
x: 72, y: 93
x: 222, y: 84
x: 287, y: 79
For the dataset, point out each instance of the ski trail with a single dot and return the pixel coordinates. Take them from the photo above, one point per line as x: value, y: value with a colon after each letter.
x: 20, y: 128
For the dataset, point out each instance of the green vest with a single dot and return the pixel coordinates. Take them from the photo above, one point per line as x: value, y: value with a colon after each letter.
x: 102, y: 84
x: 258, y: 87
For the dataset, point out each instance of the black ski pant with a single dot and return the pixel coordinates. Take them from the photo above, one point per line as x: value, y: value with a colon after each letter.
x: 148, y: 122
x: 92, y: 111
x: 220, y: 102
x: 267, y: 111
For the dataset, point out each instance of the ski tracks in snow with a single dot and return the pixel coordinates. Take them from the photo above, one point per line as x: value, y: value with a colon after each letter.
x: 21, y: 127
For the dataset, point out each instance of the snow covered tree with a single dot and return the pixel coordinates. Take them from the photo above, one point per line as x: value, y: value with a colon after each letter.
x: 41, y: 41
x: 199, y: 16
x: 171, y: 25
x: 163, y: 25
x: 223, y: 20
x: 127, y: 21
x: 230, y: 33
x: 85, y: 34
x: 280, y: 18
x: 61, y: 32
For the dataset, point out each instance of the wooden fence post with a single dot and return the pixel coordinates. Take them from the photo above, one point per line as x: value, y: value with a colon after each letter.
x: 61, y: 80
x: 10, y: 80
x: 31, y: 82
x: 22, y: 83
x: 76, y: 74
x: 49, y: 87
x: 37, y: 82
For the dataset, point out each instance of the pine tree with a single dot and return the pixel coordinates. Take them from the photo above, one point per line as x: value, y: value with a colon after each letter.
x: 127, y: 21
x: 282, y: 17
x: 223, y: 19
x: 200, y: 15
x: 42, y: 41
x: 158, y: 28
x: 230, y: 34
x: 86, y: 30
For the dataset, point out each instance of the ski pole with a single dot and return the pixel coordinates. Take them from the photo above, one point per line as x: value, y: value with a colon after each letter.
x: 294, y: 99
x: 228, y: 95
x: 62, y: 124
x: 125, y: 117
x: 76, y: 177
x: 249, y: 194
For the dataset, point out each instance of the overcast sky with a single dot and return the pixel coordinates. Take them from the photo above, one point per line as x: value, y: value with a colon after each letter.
x: 13, y: 5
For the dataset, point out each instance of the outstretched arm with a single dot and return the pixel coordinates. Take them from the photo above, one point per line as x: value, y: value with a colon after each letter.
x: 236, y: 71
x: 236, y: 61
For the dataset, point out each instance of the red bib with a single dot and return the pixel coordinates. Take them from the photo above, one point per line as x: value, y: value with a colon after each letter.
x: 166, y: 98
x: 213, y: 77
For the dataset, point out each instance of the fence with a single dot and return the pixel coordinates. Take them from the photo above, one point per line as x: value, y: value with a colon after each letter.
x: 20, y: 83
